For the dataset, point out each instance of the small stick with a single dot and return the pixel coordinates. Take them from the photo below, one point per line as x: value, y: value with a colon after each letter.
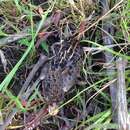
x: 40, y: 62
x: 122, y: 111
x: 109, y: 57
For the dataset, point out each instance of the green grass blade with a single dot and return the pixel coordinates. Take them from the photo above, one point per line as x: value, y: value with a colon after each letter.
x: 16, y: 100
x: 9, y: 77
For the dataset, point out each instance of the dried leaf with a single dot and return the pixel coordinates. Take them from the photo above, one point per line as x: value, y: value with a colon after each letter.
x: 56, y: 17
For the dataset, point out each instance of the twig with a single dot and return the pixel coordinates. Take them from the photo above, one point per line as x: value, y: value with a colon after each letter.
x: 122, y: 112
x: 40, y: 62
x: 107, y: 40
x: 95, y: 50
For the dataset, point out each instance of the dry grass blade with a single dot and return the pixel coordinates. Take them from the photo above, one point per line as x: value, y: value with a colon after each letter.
x: 103, y: 88
x: 3, y: 60
x: 12, y: 38
x: 105, y: 15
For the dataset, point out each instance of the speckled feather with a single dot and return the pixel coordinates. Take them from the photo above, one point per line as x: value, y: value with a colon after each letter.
x: 62, y: 71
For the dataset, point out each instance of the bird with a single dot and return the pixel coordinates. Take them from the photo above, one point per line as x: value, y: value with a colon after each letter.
x: 61, y: 72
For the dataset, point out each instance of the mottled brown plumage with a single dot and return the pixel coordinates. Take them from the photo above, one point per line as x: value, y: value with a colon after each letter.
x: 62, y: 71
